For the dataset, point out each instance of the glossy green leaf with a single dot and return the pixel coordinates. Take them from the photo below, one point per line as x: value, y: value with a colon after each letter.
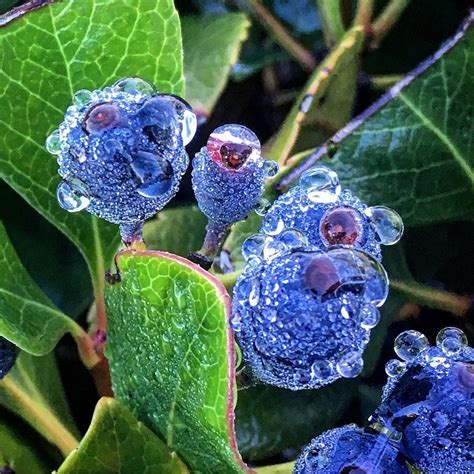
x: 211, y: 46
x: 116, y: 443
x: 55, y: 50
x: 171, y: 356
x: 18, y: 453
x: 27, y: 317
x: 33, y: 391
x: 179, y: 231
x: 412, y: 149
x: 271, y: 419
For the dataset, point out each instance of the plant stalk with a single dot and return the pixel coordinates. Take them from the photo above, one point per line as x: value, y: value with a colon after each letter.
x: 331, y: 16
x: 385, y: 21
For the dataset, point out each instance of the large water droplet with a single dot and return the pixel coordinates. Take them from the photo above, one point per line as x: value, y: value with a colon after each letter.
x: 270, y: 168
x: 53, y: 143
x: 232, y: 145
x: 292, y: 238
x: 320, y: 184
x: 451, y: 340
x: 262, y: 206
x: 154, y: 172
x: 409, y: 344
x: 189, y: 124
x: 394, y: 367
x: 253, y: 246
x: 134, y: 85
x: 350, y: 365
x: 341, y: 226
x: 273, y: 225
x: 73, y: 195
x: 321, y: 369
x: 370, y: 316
x: 273, y: 248
x: 387, y: 222
x: 82, y: 98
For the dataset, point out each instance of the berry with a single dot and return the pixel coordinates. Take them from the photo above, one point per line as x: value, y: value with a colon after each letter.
x: 8, y: 355
x: 121, y: 152
x: 303, y: 316
x: 429, y: 400
x: 329, y: 216
x: 351, y: 450
x: 229, y: 175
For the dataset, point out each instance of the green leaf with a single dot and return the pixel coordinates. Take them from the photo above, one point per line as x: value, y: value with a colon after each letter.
x: 27, y: 317
x: 33, y: 391
x: 18, y: 453
x: 116, y: 443
x: 411, y: 150
x: 271, y: 419
x: 47, y: 55
x: 179, y: 231
x: 171, y: 356
x: 211, y: 47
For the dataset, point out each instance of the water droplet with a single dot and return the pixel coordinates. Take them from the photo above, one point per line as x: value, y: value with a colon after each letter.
x: 189, y: 124
x: 350, y: 365
x: 272, y: 249
x: 73, y: 195
x: 321, y: 369
x: 236, y: 322
x: 262, y: 206
x: 409, y: 344
x: 444, y: 443
x: 451, y: 341
x: 273, y: 225
x: 232, y: 145
x: 103, y: 117
x: 82, y: 98
x: 320, y: 184
x: 292, y: 238
x: 253, y: 246
x: 370, y: 316
x: 341, y: 226
x: 387, y: 222
x: 254, y: 295
x: 154, y: 172
x: 134, y: 85
x: 53, y: 143
x: 395, y: 367
x: 270, y: 168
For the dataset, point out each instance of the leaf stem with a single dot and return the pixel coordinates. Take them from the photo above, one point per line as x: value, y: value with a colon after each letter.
x: 363, y: 17
x: 279, y: 33
x: 385, y: 81
x: 385, y: 21
x: 432, y: 298
x: 85, y: 346
x: 331, y: 16
x: 59, y: 435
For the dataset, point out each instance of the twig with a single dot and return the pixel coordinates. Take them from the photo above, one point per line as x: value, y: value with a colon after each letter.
x: 438, y: 299
x: 385, y: 21
x: 54, y: 430
x: 363, y: 17
x: 279, y: 33
x: 331, y: 16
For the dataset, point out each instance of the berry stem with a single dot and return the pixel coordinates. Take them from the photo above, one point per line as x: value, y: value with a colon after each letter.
x: 215, y: 237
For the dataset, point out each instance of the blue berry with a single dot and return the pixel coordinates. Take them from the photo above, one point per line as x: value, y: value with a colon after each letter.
x: 351, y: 450
x: 429, y: 399
x: 329, y: 216
x: 229, y: 175
x: 121, y: 152
x: 303, y: 316
x: 8, y: 355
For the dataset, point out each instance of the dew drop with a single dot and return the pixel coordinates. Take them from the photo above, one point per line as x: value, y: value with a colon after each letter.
x: 134, y: 85
x: 102, y: 117
x: 82, y: 98
x: 236, y: 322
x: 154, y: 172
x: 189, y: 124
x: 73, y: 195
x: 350, y: 365
x: 387, y: 222
x: 270, y: 168
x: 232, y: 145
x: 272, y: 249
x: 320, y: 184
x: 253, y: 246
x: 451, y: 340
x: 409, y: 344
x: 370, y: 316
x: 262, y: 206
x: 321, y: 369
x: 394, y: 367
x: 273, y: 225
x: 292, y: 238
x: 53, y: 143
x: 341, y: 226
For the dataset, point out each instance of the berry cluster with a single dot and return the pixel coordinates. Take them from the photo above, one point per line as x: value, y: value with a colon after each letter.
x: 121, y: 152
x: 424, y: 419
x: 8, y: 355
x: 308, y: 296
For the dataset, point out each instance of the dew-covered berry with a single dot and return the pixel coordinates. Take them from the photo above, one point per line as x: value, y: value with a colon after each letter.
x: 121, y: 152
x: 302, y: 316
x: 429, y: 400
x: 329, y: 216
x: 8, y: 355
x: 351, y: 450
x: 229, y: 175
